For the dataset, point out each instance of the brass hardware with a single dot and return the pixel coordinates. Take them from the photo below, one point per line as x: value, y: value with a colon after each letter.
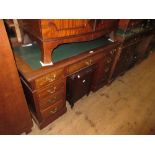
x: 109, y: 60
x: 90, y: 61
x: 54, y: 110
x: 50, y: 101
x: 50, y: 79
x: 112, y: 51
x: 51, y: 92
x: 87, y: 63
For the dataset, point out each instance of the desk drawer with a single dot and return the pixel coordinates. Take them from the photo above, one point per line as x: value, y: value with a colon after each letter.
x: 56, y: 97
x: 83, y: 63
x: 49, y: 78
x: 52, y: 110
x: 50, y: 90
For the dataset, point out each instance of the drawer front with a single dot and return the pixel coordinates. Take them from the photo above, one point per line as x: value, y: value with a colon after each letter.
x: 49, y: 78
x: 50, y: 90
x: 83, y: 63
x: 56, y: 97
x: 52, y: 110
x: 104, y: 68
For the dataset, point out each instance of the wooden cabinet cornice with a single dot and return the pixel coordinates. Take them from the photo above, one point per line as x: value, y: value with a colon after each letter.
x: 49, y: 33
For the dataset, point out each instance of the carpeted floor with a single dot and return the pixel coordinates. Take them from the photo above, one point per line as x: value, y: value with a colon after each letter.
x: 127, y: 106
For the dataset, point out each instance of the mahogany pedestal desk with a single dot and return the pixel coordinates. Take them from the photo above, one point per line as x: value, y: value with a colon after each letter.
x: 45, y: 87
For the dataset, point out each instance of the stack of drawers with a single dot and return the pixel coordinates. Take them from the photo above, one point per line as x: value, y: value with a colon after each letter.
x: 49, y: 97
x: 128, y: 56
x: 103, y: 70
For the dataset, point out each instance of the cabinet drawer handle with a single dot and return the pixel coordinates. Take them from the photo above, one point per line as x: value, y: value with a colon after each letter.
x: 106, y: 69
x: 54, y: 110
x: 50, y: 101
x: 109, y: 60
x: 50, y: 79
x: 90, y: 61
x: 51, y: 92
x: 87, y: 63
x: 112, y: 51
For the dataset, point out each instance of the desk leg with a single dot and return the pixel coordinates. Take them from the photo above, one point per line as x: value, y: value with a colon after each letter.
x: 46, y: 51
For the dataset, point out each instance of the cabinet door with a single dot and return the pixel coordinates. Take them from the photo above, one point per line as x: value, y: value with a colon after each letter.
x: 79, y: 84
x: 54, y: 28
x: 106, y: 24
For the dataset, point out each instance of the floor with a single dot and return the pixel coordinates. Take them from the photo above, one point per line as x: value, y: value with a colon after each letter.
x: 127, y: 106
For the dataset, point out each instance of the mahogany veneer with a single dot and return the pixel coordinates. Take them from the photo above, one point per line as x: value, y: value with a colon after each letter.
x: 49, y: 33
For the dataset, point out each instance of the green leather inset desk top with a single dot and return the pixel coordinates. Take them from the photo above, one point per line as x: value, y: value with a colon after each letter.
x: 32, y: 54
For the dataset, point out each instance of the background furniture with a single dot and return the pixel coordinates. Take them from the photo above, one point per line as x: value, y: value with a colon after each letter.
x: 13, y: 31
x: 49, y: 33
x: 135, y: 37
x: 14, y: 114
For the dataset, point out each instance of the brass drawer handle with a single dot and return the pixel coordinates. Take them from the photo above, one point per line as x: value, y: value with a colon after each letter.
x: 109, y: 60
x: 106, y: 69
x: 87, y: 63
x: 50, y: 101
x: 54, y: 110
x: 50, y: 79
x: 51, y: 92
x: 112, y: 51
x: 90, y: 61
